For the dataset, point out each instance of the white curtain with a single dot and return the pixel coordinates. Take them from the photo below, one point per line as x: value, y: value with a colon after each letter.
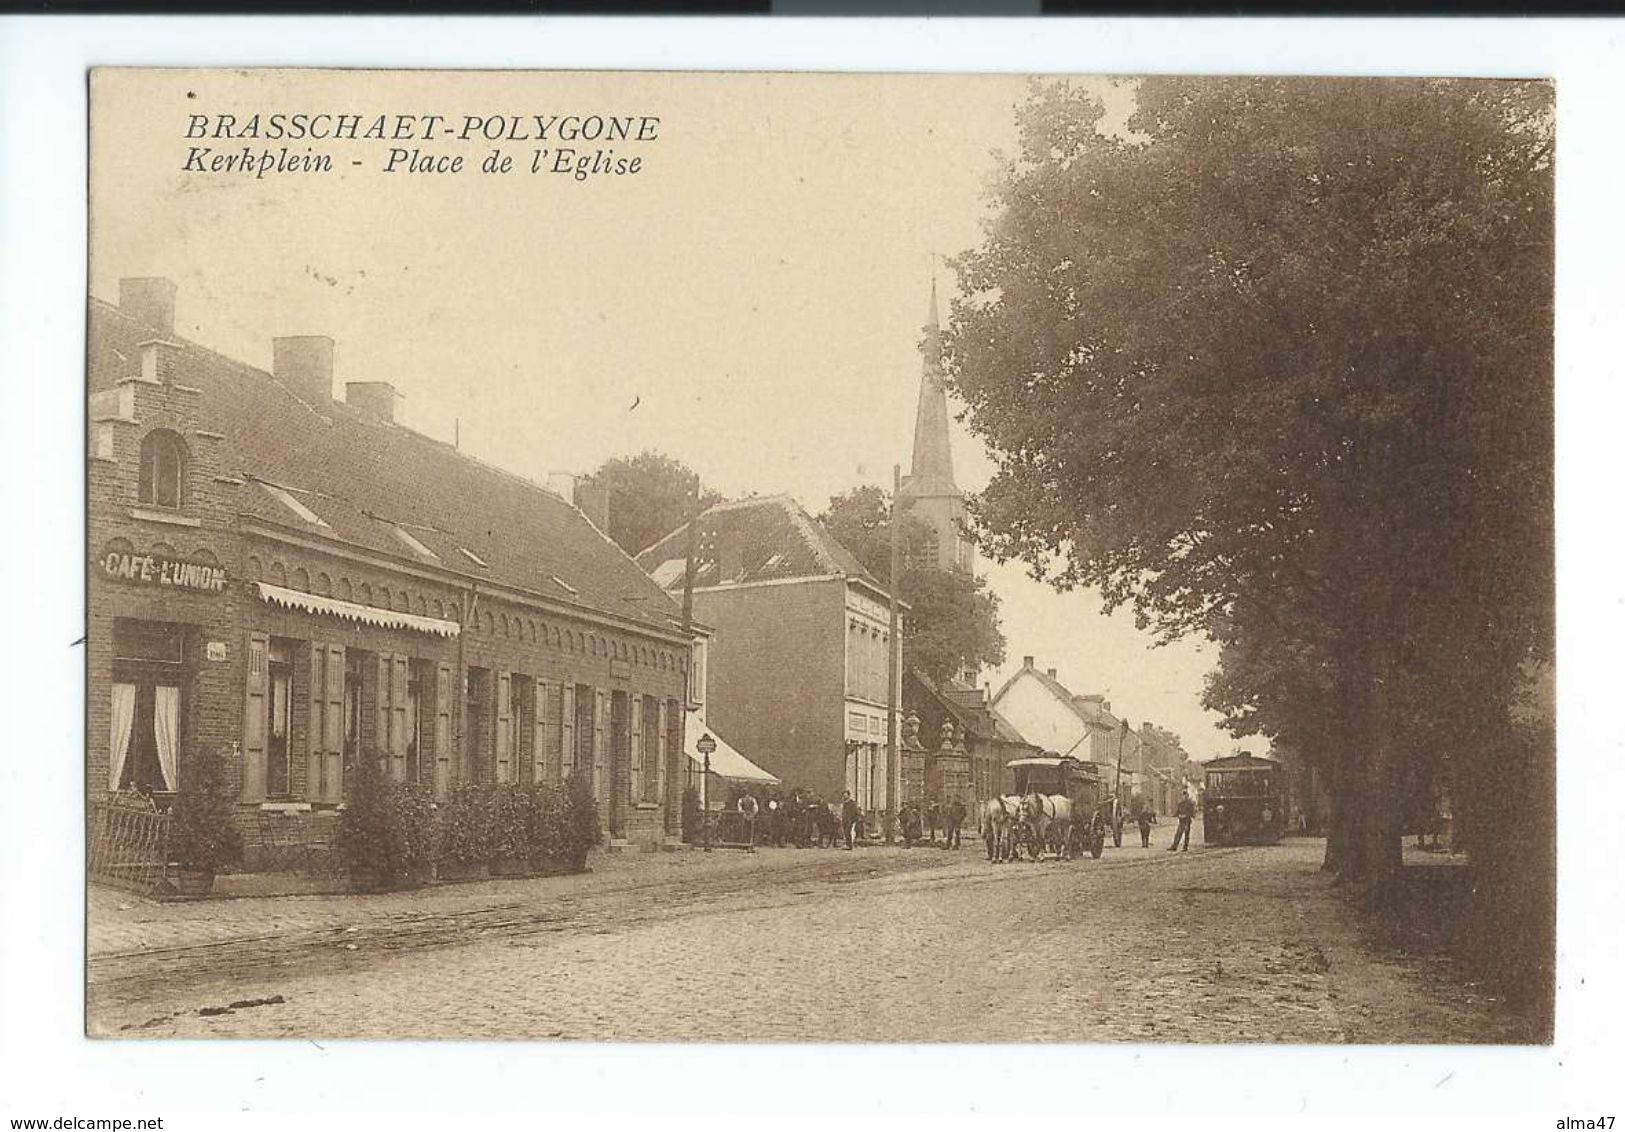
x: 165, y: 720
x: 123, y: 723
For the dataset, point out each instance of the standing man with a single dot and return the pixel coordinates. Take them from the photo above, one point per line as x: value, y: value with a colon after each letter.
x: 1185, y: 811
x: 1146, y: 820
x: 849, y: 817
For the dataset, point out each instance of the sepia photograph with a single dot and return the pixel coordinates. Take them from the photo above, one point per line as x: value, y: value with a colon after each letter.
x: 637, y: 556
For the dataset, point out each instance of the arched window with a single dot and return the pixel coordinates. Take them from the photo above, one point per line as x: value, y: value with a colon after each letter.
x: 163, y: 461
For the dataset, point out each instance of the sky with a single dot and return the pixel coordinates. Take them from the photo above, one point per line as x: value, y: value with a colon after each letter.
x: 749, y: 302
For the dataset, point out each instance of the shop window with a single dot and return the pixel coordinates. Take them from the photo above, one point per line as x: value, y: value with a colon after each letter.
x: 279, y: 721
x: 163, y: 464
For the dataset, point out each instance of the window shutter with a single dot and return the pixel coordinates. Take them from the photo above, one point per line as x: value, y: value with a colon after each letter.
x: 333, y: 727
x: 252, y: 787
x: 380, y: 690
x: 567, y: 728
x: 635, y: 741
x: 316, y: 727
x: 399, y: 674
x: 504, y: 734
x: 600, y: 717
x: 442, y: 731
x: 541, y: 762
x: 660, y: 752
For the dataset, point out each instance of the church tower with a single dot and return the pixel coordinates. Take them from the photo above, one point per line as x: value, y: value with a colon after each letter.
x: 929, y: 491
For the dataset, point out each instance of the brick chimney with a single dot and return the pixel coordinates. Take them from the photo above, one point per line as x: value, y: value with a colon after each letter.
x: 1026, y: 662
x: 377, y: 399
x: 562, y: 484
x: 1050, y: 672
x: 305, y: 365
x: 593, y: 501
x: 150, y: 301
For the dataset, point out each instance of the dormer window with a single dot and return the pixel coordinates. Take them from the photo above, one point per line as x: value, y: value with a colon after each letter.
x: 285, y: 497
x: 416, y: 544
x: 163, y: 462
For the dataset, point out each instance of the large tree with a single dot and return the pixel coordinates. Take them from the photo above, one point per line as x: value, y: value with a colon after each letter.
x: 953, y: 618
x: 1275, y: 366
x: 650, y: 495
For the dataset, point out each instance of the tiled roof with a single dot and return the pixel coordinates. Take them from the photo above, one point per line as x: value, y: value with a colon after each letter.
x: 370, y: 483
x: 768, y: 538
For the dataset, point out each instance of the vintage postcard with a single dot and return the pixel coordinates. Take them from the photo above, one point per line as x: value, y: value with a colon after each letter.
x: 790, y: 557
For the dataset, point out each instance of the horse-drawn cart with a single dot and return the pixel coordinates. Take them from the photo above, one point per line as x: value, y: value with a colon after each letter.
x: 1064, y: 807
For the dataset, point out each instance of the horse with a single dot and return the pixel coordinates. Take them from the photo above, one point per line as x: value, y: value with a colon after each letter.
x: 1047, y: 819
x: 956, y: 818
x: 998, y: 820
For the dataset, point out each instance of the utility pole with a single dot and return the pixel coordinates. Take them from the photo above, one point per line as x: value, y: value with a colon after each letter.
x: 894, y: 663
x: 688, y: 693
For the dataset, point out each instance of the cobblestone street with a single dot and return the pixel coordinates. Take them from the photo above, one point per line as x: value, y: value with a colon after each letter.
x: 1241, y: 944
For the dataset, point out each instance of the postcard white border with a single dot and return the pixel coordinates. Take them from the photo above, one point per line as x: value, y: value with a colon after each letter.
x: 52, y: 1068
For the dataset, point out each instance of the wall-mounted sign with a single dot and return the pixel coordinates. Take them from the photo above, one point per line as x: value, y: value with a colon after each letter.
x: 162, y: 570
x: 215, y: 650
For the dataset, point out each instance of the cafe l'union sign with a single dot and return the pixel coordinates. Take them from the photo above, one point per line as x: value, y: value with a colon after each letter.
x: 163, y: 571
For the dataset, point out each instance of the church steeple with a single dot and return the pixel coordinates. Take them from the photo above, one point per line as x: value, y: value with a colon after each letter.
x: 933, y: 468
x: 929, y: 490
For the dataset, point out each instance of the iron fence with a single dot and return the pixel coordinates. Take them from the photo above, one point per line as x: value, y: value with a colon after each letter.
x: 129, y: 843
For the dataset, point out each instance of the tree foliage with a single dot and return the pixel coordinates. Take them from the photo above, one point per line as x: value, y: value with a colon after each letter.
x: 1275, y: 366
x: 953, y: 618
x: 650, y: 495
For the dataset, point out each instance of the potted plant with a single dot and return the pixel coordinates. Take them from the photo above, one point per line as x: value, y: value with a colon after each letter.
x: 204, y: 838
x: 368, y: 840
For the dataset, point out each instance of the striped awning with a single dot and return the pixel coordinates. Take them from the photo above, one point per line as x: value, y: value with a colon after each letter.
x: 354, y: 611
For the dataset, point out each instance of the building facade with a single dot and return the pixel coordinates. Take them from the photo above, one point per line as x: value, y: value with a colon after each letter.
x: 299, y: 581
x: 797, y: 663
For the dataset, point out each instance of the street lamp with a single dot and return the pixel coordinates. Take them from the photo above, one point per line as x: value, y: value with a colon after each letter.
x: 705, y: 746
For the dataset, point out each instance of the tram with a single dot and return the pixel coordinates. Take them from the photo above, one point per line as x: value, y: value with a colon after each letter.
x: 1243, y: 801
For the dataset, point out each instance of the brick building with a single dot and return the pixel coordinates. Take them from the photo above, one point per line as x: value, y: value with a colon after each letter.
x: 797, y: 664
x: 294, y: 580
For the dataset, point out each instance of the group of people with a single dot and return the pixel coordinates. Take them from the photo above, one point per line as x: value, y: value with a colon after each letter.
x: 920, y: 824
x: 802, y: 819
x: 1185, y: 813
